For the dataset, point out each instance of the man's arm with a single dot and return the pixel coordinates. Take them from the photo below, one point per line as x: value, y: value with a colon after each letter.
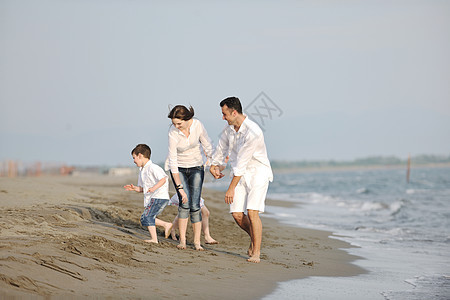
x: 219, y: 156
x: 229, y: 195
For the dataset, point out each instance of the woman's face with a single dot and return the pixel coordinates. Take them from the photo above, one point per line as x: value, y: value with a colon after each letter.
x: 180, y: 124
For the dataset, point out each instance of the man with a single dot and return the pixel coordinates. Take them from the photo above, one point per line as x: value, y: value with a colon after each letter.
x: 243, y: 141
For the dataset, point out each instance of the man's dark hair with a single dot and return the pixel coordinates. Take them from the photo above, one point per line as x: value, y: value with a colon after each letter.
x: 232, y: 103
x: 181, y: 112
x: 142, y: 149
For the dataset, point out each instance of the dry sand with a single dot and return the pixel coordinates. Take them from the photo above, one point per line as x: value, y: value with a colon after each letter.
x: 80, y: 237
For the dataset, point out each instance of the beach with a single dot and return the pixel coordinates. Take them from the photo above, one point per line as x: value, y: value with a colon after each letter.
x: 79, y: 236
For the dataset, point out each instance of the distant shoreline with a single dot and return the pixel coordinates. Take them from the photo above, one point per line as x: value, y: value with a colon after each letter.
x: 330, y: 168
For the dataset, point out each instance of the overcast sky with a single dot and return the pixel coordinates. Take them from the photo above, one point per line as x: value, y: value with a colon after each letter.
x: 84, y: 81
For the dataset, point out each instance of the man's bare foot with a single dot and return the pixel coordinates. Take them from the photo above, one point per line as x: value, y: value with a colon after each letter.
x: 167, y: 230
x: 210, y: 241
x: 151, y: 241
x: 254, y: 259
x: 250, y: 250
x: 199, y: 247
x: 182, y: 246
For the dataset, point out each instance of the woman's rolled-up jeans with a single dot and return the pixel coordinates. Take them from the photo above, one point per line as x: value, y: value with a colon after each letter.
x: 192, y: 181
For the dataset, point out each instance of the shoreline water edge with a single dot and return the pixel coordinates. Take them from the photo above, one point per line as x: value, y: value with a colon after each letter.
x: 81, y: 237
x: 400, y: 228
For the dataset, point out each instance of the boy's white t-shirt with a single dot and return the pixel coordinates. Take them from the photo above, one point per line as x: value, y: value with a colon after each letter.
x: 150, y: 175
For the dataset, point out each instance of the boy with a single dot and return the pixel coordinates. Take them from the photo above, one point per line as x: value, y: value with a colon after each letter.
x: 153, y: 183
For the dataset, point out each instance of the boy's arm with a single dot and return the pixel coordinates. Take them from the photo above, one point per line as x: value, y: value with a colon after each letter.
x: 157, y: 185
x: 131, y: 187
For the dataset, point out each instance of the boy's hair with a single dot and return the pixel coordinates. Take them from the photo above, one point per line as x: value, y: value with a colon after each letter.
x: 142, y: 149
x: 181, y: 112
x: 233, y: 103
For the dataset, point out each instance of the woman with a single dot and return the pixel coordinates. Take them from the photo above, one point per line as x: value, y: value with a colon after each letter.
x: 187, y: 139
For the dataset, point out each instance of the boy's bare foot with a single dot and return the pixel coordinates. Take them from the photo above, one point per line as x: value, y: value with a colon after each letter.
x: 199, y: 247
x: 167, y: 230
x: 210, y: 241
x: 151, y: 241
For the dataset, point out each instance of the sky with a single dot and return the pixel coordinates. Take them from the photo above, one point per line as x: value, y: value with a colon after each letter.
x: 83, y: 81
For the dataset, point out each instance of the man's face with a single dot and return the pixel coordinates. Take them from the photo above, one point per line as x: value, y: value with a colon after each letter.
x: 228, y: 115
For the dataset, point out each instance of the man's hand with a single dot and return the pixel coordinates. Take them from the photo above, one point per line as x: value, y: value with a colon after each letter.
x: 229, y: 195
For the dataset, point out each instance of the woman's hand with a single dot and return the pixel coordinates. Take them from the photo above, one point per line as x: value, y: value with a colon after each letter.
x: 183, y: 194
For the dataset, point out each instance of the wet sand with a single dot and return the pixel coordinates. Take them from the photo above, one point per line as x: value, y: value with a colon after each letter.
x: 81, y: 237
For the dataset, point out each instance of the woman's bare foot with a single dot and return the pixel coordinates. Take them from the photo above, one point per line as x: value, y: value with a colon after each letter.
x: 151, y: 241
x: 199, y: 247
x: 167, y: 230
x: 182, y: 246
x: 210, y: 241
x: 173, y: 236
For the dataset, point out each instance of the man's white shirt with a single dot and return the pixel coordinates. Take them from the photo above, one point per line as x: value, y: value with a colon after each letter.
x: 245, y: 148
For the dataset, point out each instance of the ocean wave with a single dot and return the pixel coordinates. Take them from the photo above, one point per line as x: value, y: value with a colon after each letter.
x: 363, y: 191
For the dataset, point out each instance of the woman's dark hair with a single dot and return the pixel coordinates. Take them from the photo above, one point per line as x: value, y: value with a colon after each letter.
x: 142, y: 149
x: 232, y: 103
x: 181, y: 112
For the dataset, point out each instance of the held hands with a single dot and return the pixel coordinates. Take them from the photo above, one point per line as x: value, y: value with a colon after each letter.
x: 216, y: 171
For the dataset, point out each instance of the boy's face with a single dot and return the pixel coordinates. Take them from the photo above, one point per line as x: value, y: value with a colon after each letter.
x: 139, y: 160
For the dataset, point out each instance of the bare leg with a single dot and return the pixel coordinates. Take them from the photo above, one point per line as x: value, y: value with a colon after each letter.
x: 174, y: 227
x: 152, y: 231
x: 167, y: 226
x: 256, y: 229
x: 197, y: 227
x: 243, y: 222
x: 205, y: 226
x: 182, y: 226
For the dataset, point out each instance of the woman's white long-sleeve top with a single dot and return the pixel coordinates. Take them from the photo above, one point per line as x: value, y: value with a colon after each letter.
x: 186, y: 152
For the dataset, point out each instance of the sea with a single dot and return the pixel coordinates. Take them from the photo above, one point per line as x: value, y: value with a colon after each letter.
x: 400, y: 229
